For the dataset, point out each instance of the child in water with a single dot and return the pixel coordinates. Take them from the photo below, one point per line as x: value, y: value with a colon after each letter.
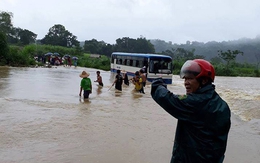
x: 99, y: 79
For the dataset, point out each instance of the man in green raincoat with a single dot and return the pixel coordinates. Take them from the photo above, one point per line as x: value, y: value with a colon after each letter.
x: 203, y: 116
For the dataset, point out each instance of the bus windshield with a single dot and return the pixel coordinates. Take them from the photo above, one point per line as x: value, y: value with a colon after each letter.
x: 160, y: 65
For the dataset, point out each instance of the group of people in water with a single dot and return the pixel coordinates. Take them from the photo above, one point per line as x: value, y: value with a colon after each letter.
x: 203, y: 116
x: 139, y: 80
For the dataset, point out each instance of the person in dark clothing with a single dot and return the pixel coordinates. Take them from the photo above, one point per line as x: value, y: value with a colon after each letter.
x: 203, y: 116
x: 125, y: 77
x: 118, y: 81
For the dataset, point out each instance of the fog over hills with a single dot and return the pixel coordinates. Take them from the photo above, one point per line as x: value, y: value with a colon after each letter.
x: 250, y: 48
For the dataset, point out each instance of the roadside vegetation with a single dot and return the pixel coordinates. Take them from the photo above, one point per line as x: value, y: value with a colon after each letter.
x: 18, y: 56
x: 19, y: 47
x: 25, y: 57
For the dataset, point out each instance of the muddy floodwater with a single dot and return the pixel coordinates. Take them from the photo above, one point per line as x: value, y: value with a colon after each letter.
x: 43, y: 120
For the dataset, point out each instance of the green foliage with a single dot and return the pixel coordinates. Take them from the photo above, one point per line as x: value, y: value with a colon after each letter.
x: 24, y: 56
x: 126, y: 44
x: 177, y: 66
x: 43, y: 49
x: 63, y: 42
x: 139, y: 45
x: 93, y: 46
x: 6, y: 25
x: 237, y: 69
x: 216, y: 60
x: 4, y: 49
x: 243, y: 71
x: 58, y: 35
x: 219, y: 69
x: 250, y: 48
x: 17, y: 58
x: 257, y: 73
x: 30, y: 50
x: 144, y: 46
x: 257, y: 56
x: 26, y: 37
x: 98, y: 63
x: 15, y: 35
x: 229, y: 56
x: 182, y: 55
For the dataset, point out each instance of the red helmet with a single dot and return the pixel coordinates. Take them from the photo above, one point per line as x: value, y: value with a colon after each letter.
x: 199, y: 68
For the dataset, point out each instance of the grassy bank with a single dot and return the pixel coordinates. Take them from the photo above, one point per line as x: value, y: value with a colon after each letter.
x: 25, y: 56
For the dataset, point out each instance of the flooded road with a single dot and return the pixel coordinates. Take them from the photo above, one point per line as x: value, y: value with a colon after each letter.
x: 43, y: 120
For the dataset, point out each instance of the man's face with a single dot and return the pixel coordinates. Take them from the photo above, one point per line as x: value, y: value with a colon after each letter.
x: 191, y: 84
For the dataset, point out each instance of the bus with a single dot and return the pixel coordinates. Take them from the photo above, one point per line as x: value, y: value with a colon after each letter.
x: 155, y: 65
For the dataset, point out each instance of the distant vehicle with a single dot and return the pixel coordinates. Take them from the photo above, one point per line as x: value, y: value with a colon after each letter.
x: 155, y: 65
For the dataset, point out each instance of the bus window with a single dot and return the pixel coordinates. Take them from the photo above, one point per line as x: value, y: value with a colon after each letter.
x: 137, y: 63
x: 134, y: 63
x: 128, y: 62
x: 156, y: 67
x: 131, y: 62
x: 112, y: 59
x: 123, y: 60
x: 160, y: 66
x: 151, y: 65
x: 141, y: 64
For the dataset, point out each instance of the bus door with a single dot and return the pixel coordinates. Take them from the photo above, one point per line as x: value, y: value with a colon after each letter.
x: 146, y: 65
x: 113, y: 63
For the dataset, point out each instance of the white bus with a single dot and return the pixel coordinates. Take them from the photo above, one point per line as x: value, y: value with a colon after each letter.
x: 155, y: 65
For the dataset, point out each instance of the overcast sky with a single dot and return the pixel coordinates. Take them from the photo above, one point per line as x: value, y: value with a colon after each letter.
x: 169, y: 20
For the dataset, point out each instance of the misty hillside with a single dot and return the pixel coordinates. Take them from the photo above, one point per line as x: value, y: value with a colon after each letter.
x: 250, y: 47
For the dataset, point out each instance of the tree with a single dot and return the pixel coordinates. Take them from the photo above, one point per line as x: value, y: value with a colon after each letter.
x: 144, y: 46
x: 181, y: 54
x: 3, y: 48
x: 229, y: 56
x: 107, y: 50
x: 124, y: 44
x: 15, y: 35
x: 98, y: 47
x: 23, y: 36
x: 59, y: 36
x: 6, y: 26
x: 216, y: 60
x: 139, y: 45
x: 27, y: 37
x: 257, y: 56
x: 93, y: 46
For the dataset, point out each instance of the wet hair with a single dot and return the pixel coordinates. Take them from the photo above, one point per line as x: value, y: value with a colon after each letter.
x: 98, y: 72
x: 118, y: 71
